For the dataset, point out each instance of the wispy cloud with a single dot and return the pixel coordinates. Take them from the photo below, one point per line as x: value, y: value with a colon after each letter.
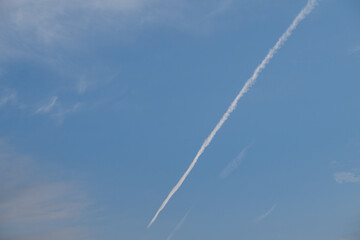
x: 56, y: 110
x: 355, y: 49
x: 7, y: 96
x: 82, y: 85
x: 33, y: 205
x: 64, y: 111
x: 53, y: 108
x: 52, y: 32
x: 51, y: 20
x: 234, y: 164
x: 251, y: 81
x: 48, y: 107
x: 179, y: 225
x: 54, y: 22
x: 346, y: 177
x: 265, y: 215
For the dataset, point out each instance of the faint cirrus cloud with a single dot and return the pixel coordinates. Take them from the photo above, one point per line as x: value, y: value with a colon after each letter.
x: 57, y: 110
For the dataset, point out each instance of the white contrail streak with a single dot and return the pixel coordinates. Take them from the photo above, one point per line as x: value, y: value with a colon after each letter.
x: 178, y: 226
x: 234, y: 163
x: 265, y: 215
x: 303, y: 13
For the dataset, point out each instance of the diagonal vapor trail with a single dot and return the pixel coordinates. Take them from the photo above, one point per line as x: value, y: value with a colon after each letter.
x: 251, y: 81
x: 178, y: 226
x: 234, y: 163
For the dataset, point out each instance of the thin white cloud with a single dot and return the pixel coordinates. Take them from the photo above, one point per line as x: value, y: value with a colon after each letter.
x: 265, y: 215
x: 234, y: 164
x: 346, y: 177
x: 48, y: 107
x: 179, y: 225
x: 251, y: 81
x: 33, y: 205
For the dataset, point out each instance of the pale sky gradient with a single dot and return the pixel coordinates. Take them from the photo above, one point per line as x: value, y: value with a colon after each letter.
x: 104, y: 104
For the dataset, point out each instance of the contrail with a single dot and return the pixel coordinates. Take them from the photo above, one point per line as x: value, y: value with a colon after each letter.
x: 265, y: 215
x: 178, y: 226
x: 234, y: 163
x: 303, y: 13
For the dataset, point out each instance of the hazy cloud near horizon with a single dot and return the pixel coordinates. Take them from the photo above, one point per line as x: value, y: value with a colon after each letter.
x: 36, y: 206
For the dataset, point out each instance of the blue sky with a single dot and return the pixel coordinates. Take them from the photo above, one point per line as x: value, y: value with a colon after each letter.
x: 104, y: 104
